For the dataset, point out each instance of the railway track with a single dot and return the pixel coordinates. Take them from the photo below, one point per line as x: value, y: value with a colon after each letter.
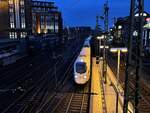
x: 36, y: 95
x: 65, y: 94
x: 36, y: 92
x: 73, y: 100
x: 144, y: 101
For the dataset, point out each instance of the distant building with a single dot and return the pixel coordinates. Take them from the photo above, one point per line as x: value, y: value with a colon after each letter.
x: 14, y: 18
x: 21, y: 17
x: 77, y: 32
x: 122, y: 28
x: 46, y: 18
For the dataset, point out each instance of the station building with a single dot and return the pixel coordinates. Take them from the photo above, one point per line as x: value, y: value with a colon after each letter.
x: 121, y: 29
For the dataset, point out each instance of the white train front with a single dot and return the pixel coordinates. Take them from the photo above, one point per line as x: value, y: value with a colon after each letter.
x: 83, y: 63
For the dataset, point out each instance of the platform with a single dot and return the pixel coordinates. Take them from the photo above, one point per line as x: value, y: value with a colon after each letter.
x: 103, y: 98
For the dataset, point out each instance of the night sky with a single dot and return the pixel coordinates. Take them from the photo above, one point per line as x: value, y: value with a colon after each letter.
x: 83, y: 12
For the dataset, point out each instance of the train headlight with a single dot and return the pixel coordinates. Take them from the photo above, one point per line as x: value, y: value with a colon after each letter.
x: 84, y: 76
x: 81, y: 60
x: 76, y: 76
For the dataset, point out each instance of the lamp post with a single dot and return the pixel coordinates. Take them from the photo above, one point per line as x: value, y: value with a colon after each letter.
x: 118, y: 50
x: 100, y: 38
x: 104, y: 47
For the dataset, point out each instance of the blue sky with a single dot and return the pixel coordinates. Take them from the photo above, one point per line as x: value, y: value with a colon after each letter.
x: 83, y: 12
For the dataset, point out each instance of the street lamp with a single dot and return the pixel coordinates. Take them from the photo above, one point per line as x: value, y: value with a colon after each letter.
x: 118, y: 50
x: 100, y: 38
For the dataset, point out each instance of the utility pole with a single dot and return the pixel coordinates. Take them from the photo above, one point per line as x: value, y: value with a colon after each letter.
x: 106, y: 9
x: 97, y: 32
x: 129, y: 55
x: 136, y: 6
x: 97, y: 25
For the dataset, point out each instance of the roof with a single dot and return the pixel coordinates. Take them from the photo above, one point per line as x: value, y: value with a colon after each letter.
x: 83, y: 52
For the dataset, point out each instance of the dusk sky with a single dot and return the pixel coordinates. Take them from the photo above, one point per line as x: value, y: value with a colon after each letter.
x: 83, y: 12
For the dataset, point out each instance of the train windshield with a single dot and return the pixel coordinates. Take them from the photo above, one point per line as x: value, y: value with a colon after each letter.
x: 86, y: 45
x: 80, y: 67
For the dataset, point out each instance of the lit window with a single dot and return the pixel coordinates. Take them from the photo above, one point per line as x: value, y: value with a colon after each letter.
x: 56, y: 28
x: 22, y: 10
x: 21, y: 2
x: 52, y: 28
x: 23, y: 25
x: 42, y: 26
x: 10, y: 1
x: 15, y: 35
x: 12, y: 25
x: 11, y: 35
x: 23, y: 34
x: 11, y: 10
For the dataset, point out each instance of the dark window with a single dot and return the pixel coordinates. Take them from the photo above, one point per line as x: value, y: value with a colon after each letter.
x: 80, y: 67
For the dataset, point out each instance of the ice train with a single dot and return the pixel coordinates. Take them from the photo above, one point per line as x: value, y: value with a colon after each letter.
x: 82, y: 65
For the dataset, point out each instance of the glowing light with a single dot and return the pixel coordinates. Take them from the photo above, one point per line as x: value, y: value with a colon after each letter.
x: 114, y: 50
x: 119, y: 27
x: 81, y: 60
x: 100, y: 37
x: 84, y: 77
x: 144, y: 14
x: 105, y: 47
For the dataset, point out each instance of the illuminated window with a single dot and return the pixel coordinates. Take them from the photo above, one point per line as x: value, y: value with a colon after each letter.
x: 10, y: 1
x: 52, y: 27
x: 23, y: 34
x: 21, y: 2
x: 12, y: 25
x: 23, y: 25
x: 56, y: 29
x: 11, y: 10
x: 42, y: 26
x: 15, y: 35
x: 22, y: 10
x: 11, y: 35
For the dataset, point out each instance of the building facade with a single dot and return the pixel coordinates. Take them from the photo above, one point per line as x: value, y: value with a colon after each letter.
x: 21, y: 17
x: 14, y: 15
x: 121, y: 31
x: 45, y: 18
x: 121, y: 28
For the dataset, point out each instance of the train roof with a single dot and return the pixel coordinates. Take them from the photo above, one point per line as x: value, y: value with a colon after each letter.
x: 83, y: 52
x: 87, y: 41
